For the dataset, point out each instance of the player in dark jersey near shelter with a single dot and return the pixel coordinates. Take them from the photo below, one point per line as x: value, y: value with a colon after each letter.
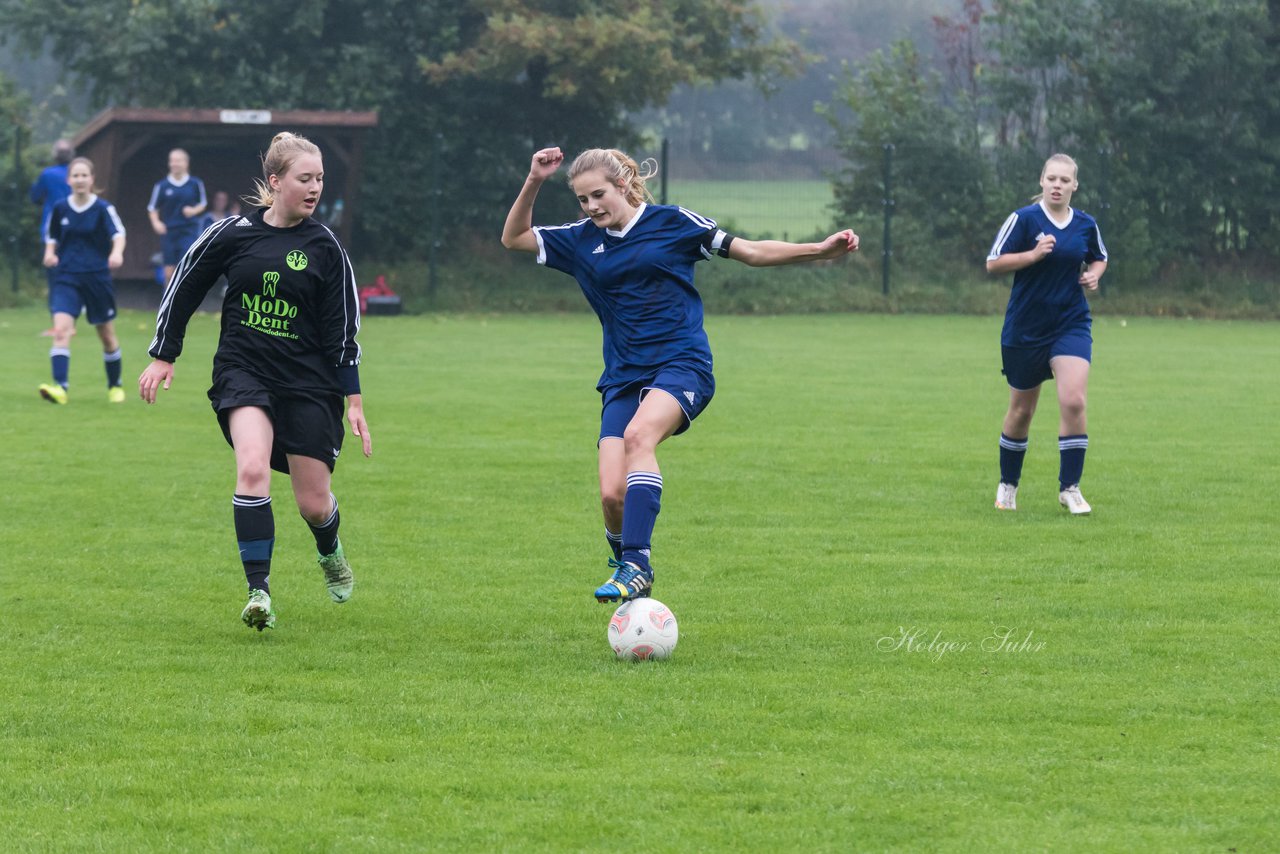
x: 286, y: 357
x: 84, y: 242
x: 51, y: 187
x: 177, y: 200
x: 1055, y: 254
x: 634, y: 262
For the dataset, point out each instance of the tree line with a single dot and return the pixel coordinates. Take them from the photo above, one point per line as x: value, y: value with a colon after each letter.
x: 466, y: 90
x: 1171, y: 106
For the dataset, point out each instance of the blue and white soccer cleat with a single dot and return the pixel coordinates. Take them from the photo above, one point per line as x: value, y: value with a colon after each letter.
x: 627, y: 582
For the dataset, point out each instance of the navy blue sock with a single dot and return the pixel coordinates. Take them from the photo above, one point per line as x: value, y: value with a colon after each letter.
x: 61, y: 359
x: 615, y: 543
x: 111, y: 361
x: 326, y: 533
x: 639, y: 513
x: 1012, y: 452
x: 1071, y: 450
x: 256, y: 531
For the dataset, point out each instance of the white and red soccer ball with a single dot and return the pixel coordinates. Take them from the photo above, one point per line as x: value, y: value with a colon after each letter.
x: 643, y: 629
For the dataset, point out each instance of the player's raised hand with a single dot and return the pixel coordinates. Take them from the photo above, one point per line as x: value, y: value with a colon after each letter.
x: 154, y: 376
x: 840, y: 243
x: 545, y: 163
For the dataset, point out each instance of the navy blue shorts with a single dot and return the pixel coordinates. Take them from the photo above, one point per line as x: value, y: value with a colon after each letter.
x: 91, y: 293
x: 175, y: 242
x: 692, y: 386
x: 1027, y: 367
x: 305, y: 425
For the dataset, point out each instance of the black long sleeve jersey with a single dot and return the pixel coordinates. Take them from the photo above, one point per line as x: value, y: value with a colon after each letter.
x: 291, y: 310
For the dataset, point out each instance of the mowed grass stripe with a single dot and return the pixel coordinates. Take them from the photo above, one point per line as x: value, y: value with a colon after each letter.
x: 837, y: 493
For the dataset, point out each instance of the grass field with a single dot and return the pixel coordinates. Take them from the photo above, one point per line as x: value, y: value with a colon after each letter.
x: 785, y: 210
x: 827, y: 542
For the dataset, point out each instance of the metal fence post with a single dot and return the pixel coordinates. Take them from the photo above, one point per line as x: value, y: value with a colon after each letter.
x: 888, y: 214
x: 15, y: 246
x: 662, y: 171
x: 1104, y: 154
x: 437, y: 194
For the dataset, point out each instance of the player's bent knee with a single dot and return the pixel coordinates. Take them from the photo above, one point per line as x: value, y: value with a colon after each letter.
x: 253, y: 478
x: 639, y: 440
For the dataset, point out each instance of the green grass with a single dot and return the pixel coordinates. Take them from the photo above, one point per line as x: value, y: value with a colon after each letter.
x: 785, y: 210
x: 837, y: 492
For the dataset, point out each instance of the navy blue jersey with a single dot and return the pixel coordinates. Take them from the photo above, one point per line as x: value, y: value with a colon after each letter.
x: 84, y: 235
x: 1047, y: 298
x: 169, y: 198
x: 290, y: 313
x: 639, y: 280
x: 49, y: 188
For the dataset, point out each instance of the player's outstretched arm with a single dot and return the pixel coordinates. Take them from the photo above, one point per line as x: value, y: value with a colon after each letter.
x: 774, y: 253
x: 517, y: 231
x: 155, y: 375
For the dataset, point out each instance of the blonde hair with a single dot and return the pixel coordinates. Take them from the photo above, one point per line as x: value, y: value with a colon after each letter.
x: 284, y: 149
x: 86, y: 161
x: 619, y: 169
x: 93, y: 173
x: 1058, y: 158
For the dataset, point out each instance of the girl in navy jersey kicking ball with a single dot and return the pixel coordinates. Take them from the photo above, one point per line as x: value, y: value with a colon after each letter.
x: 634, y: 262
x: 286, y: 358
x: 1055, y: 254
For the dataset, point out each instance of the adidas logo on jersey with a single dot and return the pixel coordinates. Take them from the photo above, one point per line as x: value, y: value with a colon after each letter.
x: 689, y: 395
x: 244, y: 220
x: 598, y: 249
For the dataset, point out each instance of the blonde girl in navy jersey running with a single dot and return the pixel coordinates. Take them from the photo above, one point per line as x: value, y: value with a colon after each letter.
x: 84, y: 242
x: 634, y: 262
x: 286, y: 357
x: 1055, y: 254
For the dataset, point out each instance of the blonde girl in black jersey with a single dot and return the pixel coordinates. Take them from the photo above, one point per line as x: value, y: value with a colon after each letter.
x: 286, y: 358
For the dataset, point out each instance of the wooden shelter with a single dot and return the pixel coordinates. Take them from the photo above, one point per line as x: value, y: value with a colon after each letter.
x: 130, y: 147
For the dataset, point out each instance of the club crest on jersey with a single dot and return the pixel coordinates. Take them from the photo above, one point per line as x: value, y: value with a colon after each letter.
x: 598, y: 249
x: 297, y: 260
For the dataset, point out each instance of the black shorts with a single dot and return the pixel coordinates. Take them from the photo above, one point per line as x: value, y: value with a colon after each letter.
x: 307, y: 424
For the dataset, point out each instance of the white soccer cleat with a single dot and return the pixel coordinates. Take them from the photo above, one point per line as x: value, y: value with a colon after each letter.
x: 1006, y: 497
x: 1071, y: 499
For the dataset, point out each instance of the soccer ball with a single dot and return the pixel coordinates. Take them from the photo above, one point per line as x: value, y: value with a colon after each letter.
x: 643, y: 629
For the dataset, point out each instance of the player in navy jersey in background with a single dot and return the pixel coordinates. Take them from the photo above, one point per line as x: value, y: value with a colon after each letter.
x: 83, y: 243
x: 286, y: 357
x: 634, y: 262
x: 1055, y: 254
x: 51, y: 187
x: 176, y: 203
